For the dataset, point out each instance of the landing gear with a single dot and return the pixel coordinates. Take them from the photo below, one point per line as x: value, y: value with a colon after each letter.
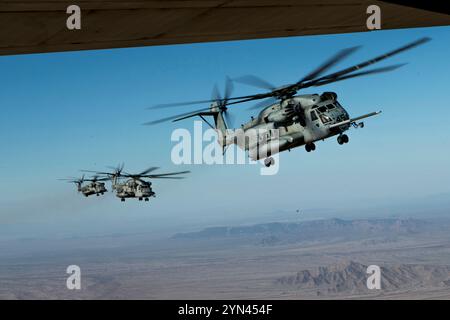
x: 140, y: 198
x: 310, y: 147
x: 122, y: 199
x: 97, y: 194
x: 146, y: 199
x: 269, y: 162
x: 342, y: 139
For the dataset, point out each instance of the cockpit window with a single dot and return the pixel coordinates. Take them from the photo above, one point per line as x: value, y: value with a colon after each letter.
x: 322, y: 109
x: 330, y: 106
x: 313, y: 116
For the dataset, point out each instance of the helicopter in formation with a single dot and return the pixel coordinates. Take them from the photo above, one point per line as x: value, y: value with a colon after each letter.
x: 287, y: 120
x: 127, y: 185
x: 96, y: 185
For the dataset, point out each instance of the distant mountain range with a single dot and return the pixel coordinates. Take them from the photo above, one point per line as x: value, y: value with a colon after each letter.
x: 350, y: 277
x: 280, y: 232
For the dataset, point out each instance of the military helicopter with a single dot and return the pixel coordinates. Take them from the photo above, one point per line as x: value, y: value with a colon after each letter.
x: 129, y: 185
x: 94, y: 187
x: 301, y: 120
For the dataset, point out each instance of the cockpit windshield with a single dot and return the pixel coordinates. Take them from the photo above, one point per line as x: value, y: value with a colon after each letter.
x: 322, y: 109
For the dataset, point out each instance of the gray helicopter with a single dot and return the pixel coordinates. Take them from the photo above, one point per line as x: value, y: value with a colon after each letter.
x: 288, y: 120
x: 96, y: 186
x: 129, y: 185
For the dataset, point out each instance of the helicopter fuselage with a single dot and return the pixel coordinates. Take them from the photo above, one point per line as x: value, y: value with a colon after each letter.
x: 92, y: 188
x: 290, y: 123
x: 134, y: 188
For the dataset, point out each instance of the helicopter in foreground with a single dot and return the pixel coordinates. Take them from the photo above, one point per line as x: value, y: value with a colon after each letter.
x: 96, y: 186
x: 127, y: 185
x: 287, y: 120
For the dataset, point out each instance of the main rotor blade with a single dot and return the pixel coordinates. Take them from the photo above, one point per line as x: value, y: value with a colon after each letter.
x: 307, y: 81
x: 374, y: 60
x: 229, y: 119
x: 339, y: 56
x: 255, y: 81
x: 228, y: 89
x: 264, y: 103
x: 215, y: 95
x: 165, y: 174
x: 71, y: 180
x: 97, y: 172
x: 148, y: 170
x: 179, y: 104
x: 159, y: 106
x: 251, y: 98
x: 151, y: 177
x: 174, y: 117
x: 103, y: 179
x: 359, y: 74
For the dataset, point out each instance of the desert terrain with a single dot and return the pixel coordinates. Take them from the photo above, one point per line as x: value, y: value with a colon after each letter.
x: 321, y: 259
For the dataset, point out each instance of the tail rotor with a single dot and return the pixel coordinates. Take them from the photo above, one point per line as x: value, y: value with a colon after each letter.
x: 221, y: 103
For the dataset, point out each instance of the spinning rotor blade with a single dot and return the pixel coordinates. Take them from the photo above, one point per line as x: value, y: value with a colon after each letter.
x: 369, y: 62
x: 215, y: 95
x: 179, y: 104
x: 103, y: 179
x: 359, y: 74
x: 229, y: 119
x: 117, y: 171
x: 70, y: 180
x: 309, y: 80
x: 166, y: 175
x: 148, y: 170
x: 175, y: 117
x: 74, y: 180
x: 119, y: 167
x: 292, y: 88
x: 151, y: 177
x: 228, y: 89
x: 264, y: 103
x: 97, y: 172
x: 255, y: 81
x: 339, y: 56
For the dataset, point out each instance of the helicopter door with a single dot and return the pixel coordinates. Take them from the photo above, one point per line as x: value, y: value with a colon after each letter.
x: 314, y: 118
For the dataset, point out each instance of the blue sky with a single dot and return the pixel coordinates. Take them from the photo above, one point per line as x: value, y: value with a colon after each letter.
x: 64, y: 112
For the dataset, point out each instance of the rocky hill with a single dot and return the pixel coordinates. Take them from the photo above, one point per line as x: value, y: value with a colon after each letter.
x: 350, y: 277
